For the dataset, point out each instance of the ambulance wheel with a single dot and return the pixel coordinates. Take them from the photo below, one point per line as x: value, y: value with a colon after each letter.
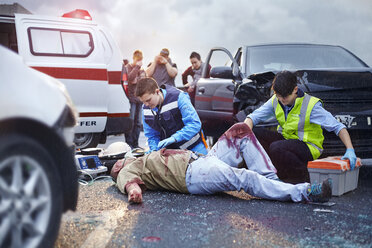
x: 86, y: 140
x: 30, y: 194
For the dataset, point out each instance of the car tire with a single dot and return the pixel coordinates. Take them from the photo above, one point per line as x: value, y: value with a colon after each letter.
x: 30, y: 194
x: 86, y: 140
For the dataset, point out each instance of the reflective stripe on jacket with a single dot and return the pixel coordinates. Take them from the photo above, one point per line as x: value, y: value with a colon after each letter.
x: 297, y: 124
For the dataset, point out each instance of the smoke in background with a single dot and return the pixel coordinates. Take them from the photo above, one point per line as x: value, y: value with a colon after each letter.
x: 186, y: 26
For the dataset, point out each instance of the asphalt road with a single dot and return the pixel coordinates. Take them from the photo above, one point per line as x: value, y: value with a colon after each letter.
x: 231, y: 219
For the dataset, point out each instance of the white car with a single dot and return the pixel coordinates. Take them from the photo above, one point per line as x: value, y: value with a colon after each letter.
x: 38, y: 177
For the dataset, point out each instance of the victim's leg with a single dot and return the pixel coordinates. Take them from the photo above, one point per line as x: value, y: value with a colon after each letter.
x: 239, y: 142
x: 266, y: 137
x: 209, y: 175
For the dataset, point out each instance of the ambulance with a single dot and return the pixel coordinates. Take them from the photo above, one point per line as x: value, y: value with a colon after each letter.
x: 85, y: 58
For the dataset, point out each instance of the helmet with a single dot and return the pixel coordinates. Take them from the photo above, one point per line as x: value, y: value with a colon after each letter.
x: 116, y: 148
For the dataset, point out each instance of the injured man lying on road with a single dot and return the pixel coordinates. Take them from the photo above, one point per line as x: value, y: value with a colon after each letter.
x: 220, y: 170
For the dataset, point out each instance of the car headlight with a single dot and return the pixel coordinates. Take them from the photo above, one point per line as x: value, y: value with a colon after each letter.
x: 68, y: 118
x: 69, y: 135
x: 73, y: 115
x: 65, y: 124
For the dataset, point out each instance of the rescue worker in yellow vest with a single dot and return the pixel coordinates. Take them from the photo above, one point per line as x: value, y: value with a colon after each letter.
x: 299, y: 137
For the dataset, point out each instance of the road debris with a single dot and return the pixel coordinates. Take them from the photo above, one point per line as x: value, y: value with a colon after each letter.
x: 322, y: 210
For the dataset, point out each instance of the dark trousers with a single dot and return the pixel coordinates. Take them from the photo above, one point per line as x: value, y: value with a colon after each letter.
x: 131, y: 137
x: 289, y: 157
x: 192, y: 96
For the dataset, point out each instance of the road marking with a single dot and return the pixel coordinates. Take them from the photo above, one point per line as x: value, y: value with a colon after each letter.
x: 103, y: 232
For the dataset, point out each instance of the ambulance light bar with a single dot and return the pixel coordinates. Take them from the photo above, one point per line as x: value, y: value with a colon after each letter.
x: 78, y: 13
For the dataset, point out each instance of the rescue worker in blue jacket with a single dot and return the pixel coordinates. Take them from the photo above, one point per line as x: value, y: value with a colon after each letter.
x: 170, y: 120
x: 299, y: 137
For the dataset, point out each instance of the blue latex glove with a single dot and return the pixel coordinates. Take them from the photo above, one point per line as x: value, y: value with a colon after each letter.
x: 148, y: 152
x: 166, y: 142
x: 350, y: 154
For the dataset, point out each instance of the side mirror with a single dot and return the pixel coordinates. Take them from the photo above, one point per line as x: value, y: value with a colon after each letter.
x: 221, y: 72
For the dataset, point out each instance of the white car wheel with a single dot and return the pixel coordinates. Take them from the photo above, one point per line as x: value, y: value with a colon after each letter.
x: 30, y: 195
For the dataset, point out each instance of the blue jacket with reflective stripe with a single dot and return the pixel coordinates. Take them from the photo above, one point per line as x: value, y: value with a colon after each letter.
x: 177, y: 118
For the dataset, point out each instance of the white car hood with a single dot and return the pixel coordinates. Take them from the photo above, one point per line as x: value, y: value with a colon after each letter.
x: 27, y: 93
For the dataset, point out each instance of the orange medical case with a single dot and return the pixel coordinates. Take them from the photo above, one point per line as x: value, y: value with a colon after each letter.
x: 344, y: 180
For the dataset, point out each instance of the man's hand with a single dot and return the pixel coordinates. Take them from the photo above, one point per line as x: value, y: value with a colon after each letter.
x: 134, y: 193
x: 249, y: 122
x: 156, y: 59
x: 166, y: 142
x: 139, y: 63
x: 350, y: 154
x: 190, y: 89
x: 161, y: 60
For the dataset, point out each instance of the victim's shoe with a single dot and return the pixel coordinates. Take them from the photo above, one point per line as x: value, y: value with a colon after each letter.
x: 320, y: 192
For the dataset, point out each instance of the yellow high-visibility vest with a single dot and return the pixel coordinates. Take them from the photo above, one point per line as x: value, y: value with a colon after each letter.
x: 298, y: 126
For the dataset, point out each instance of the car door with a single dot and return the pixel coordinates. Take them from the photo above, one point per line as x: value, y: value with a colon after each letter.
x: 214, y: 95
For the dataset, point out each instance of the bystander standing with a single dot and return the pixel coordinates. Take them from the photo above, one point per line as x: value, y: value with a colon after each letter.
x: 135, y: 72
x: 162, y: 69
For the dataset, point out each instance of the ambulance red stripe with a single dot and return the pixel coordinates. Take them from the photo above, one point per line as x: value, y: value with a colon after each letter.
x: 103, y: 114
x: 75, y: 73
x: 118, y: 115
x: 86, y: 74
x: 114, y: 77
x: 93, y: 114
x: 81, y: 73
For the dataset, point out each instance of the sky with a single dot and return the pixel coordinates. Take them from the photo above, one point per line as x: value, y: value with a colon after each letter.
x: 184, y: 26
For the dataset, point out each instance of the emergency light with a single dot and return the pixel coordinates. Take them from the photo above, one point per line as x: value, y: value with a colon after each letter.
x: 78, y: 13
